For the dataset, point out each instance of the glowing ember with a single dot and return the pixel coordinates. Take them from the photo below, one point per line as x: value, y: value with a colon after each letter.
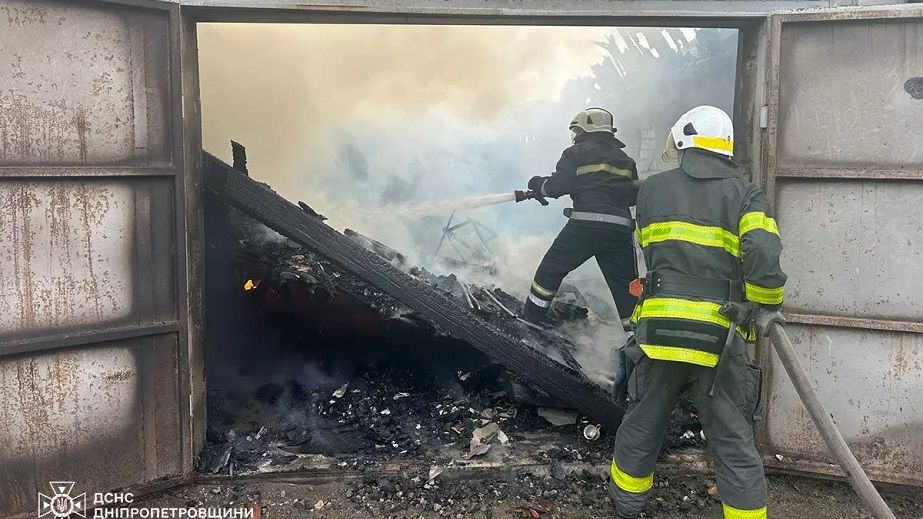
x: 250, y: 285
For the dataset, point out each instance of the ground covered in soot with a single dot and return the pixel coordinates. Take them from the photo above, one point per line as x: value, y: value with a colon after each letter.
x: 292, y: 413
x: 576, y: 496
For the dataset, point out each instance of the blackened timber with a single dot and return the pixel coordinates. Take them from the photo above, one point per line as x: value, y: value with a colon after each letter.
x: 266, y: 206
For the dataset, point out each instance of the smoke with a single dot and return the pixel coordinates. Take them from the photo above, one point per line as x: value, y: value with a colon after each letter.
x: 388, y: 129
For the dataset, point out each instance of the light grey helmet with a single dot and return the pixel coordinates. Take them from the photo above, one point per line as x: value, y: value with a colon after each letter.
x: 593, y: 120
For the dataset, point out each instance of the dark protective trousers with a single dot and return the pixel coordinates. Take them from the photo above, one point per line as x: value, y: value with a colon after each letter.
x: 653, y: 388
x: 576, y: 243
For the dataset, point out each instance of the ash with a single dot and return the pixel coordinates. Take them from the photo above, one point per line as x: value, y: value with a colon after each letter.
x: 310, y: 368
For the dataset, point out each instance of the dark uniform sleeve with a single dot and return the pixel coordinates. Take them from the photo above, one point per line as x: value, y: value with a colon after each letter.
x: 562, y: 180
x: 760, y: 248
x: 635, y: 183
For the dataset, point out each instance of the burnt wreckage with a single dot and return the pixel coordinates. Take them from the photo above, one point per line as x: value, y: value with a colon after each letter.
x: 313, y: 295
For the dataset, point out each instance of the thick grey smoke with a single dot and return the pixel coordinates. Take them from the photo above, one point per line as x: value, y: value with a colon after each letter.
x: 377, y: 126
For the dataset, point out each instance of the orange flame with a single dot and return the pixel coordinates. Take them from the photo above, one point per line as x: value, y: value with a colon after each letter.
x: 250, y: 285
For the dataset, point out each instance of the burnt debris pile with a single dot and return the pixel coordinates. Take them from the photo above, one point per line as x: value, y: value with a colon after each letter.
x: 328, y: 349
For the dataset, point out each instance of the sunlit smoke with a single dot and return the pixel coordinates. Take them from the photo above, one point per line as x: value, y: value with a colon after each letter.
x: 389, y: 129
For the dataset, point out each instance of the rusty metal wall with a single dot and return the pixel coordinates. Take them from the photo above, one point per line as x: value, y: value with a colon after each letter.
x: 103, y: 416
x: 871, y: 381
x: 869, y: 241
x: 83, y: 253
x: 92, y: 289
x: 845, y: 166
x: 844, y: 87
x: 82, y: 96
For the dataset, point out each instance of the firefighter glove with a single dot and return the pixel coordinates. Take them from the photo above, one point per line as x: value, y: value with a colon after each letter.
x: 738, y: 312
x: 764, y: 317
x: 535, y: 183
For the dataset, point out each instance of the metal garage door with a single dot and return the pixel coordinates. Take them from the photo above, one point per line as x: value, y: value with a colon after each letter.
x: 845, y: 164
x: 92, y: 331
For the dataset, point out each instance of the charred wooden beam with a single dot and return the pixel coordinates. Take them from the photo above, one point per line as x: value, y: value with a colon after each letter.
x: 264, y: 205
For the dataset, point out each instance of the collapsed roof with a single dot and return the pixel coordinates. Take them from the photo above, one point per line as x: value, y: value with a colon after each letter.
x: 477, y: 316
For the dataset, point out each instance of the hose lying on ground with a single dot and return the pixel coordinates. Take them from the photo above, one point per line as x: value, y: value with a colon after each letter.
x: 828, y: 431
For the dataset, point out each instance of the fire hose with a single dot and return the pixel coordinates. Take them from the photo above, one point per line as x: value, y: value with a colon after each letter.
x: 824, y: 422
x: 519, y: 196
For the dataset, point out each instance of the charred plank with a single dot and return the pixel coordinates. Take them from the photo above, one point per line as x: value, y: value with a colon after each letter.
x: 264, y: 205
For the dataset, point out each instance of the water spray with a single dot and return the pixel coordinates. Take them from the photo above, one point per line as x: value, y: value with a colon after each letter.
x: 471, y: 202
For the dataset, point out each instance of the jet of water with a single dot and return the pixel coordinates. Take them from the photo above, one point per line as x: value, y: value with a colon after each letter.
x: 440, y: 207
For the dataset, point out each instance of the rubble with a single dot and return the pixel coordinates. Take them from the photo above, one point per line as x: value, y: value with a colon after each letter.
x: 557, y: 417
x: 439, y: 422
x: 579, y: 494
x: 321, y: 366
x: 375, y: 277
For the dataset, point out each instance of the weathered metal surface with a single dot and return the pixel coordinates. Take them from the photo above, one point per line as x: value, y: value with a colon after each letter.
x: 844, y: 100
x: 855, y: 322
x: 192, y: 204
x: 845, y: 172
x: 102, y: 416
x: 66, y: 253
x: 854, y: 173
x: 94, y: 95
x: 872, y: 384
x: 560, y: 7
x: 82, y: 253
x: 91, y: 329
x: 853, y: 248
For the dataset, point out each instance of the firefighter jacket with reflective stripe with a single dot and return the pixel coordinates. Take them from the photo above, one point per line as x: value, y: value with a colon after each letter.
x: 702, y: 219
x: 597, y: 174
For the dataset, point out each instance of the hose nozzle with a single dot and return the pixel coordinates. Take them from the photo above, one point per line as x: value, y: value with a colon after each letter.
x: 526, y: 195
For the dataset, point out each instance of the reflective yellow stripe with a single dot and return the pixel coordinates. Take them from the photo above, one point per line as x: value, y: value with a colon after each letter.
x: 766, y: 296
x: 542, y: 291
x: 749, y: 334
x: 709, y: 236
x: 603, y: 168
x: 713, y: 143
x: 675, y: 353
x: 757, y: 220
x: 629, y: 483
x: 734, y: 513
x: 636, y: 313
x: 672, y: 308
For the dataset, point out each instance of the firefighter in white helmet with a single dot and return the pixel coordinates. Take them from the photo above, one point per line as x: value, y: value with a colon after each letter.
x: 712, y: 250
x: 599, y: 177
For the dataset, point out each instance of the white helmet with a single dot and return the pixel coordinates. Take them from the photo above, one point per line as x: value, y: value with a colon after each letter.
x: 593, y: 120
x: 704, y: 127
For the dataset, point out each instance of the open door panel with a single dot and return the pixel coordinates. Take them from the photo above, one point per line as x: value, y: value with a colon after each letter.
x: 92, y: 250
x: 844, y: 163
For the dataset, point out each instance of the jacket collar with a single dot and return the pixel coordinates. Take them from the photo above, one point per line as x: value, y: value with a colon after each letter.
x: 605, y: 137
x: 704, y: 164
